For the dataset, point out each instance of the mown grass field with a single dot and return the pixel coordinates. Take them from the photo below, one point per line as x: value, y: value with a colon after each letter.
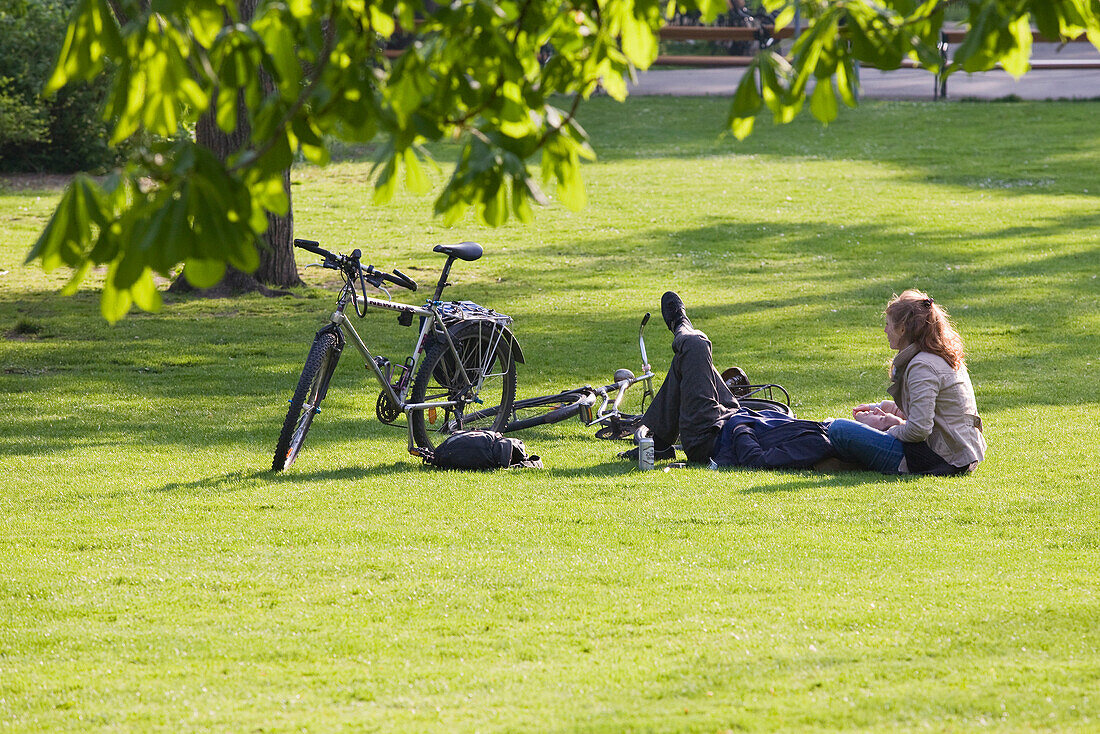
x: 155, y: 576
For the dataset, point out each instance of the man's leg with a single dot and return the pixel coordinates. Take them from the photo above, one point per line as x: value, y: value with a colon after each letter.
x: 693, y: 401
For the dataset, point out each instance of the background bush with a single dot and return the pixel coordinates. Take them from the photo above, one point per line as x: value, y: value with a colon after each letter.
x: 64, y: 133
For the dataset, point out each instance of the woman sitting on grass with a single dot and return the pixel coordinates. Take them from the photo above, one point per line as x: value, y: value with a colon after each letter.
x: 932, y: 424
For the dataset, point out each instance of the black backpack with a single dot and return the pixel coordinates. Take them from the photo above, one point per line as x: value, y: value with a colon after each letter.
x: 480, y: 449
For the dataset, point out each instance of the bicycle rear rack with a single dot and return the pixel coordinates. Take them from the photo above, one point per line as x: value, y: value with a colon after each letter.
x: 762, y: 392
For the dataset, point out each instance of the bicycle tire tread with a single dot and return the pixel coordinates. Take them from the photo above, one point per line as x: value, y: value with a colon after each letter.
x: 315, y: 361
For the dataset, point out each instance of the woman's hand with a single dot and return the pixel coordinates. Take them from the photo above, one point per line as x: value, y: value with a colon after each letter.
x: 875, y: 417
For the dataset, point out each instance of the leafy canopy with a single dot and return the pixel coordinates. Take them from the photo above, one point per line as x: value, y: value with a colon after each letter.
x: 470, y: 72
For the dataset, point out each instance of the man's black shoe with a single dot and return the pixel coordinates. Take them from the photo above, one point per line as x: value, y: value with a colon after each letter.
x: 674, y: 313
x: 658, y: 454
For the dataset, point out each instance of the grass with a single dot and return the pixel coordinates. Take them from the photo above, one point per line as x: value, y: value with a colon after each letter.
x: 155, y: 576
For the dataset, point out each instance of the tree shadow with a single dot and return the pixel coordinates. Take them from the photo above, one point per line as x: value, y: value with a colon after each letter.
x: 936, y: 143
x: 234, y: 481
x: 181, y: 359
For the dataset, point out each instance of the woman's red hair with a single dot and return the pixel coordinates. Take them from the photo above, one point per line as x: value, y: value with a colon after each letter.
x: 923, y: 322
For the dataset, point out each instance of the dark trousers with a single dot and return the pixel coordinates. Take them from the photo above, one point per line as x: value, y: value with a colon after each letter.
x: 694, y: 402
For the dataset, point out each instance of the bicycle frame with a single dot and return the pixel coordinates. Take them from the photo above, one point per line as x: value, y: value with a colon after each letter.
x: 433, y: 324
x: 611, y: 398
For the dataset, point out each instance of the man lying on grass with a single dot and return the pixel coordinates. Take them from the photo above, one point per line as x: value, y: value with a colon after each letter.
x: 695, y: 404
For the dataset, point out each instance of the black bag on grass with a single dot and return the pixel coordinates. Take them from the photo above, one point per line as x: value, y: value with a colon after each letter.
x: 480, y: 449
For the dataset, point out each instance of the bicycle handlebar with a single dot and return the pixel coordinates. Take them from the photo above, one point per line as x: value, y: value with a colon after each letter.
x: 315, y: 248
x: 375, y: 277
x: 402, y: 280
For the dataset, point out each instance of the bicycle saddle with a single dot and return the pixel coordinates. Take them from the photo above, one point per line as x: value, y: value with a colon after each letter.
x: 463, y: 250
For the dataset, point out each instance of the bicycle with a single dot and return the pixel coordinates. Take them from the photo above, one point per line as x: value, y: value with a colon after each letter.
x: 465, y: 355
x: 602, y: 406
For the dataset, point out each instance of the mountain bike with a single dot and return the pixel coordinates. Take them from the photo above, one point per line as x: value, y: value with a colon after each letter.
x: 464, y: 358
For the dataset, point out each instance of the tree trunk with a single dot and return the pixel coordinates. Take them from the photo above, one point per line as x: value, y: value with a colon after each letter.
x: 277, y: 267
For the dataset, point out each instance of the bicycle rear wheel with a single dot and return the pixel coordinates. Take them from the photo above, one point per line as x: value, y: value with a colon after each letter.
x: 487, y: 360
x: 764, y: 404
x: 311, y: 390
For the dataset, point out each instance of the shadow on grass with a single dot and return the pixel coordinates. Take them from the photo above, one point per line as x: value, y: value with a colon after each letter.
x: 774, y: 481
x: 237, y: 480
x: 973, y: 147
x: 88, y: 384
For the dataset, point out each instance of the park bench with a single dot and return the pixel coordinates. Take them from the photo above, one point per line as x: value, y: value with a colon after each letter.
x: 949, y: 38
x: 749, y: 34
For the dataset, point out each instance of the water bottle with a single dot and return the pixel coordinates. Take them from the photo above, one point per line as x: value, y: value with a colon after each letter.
x: 645, y: 452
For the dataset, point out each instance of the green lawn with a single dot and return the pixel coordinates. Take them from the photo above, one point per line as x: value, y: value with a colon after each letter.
x: 154, y: 575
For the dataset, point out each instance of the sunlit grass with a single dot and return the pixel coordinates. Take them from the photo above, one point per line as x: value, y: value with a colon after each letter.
x: 155, y: 576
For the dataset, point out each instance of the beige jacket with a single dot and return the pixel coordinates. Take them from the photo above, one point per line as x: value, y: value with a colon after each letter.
x: 937, y: 403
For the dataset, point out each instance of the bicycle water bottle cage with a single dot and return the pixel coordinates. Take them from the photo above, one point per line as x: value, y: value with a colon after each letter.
x: 468, y: 251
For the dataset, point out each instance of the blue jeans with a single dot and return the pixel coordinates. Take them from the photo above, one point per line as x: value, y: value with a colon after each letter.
x: 866, y: 446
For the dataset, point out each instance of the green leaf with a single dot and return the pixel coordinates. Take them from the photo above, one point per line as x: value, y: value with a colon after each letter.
x: 203, y: 273
x: 494, y: 210
x: 711, y: 9
x: 1046, y: 19
x: 300, y: 8
x: 226, y: 110
x: 786, y: 15
x: 823, y: 102
x: 204, y: 20
x: 976, y: 52
x: 279, y: 45
x: 92, y: 35
x: 570, y: 187
x: 415, y: 180
x: 310, y: 142
x: 846, y: 81
x: 521, y: 204
x: 1016, y: 60
x: 114, y: 303
x: 385, y: 184
x: 747, y: 103
x: 380, y: 22
x: 144, y: 292
x: 127, y: 269
x: 79, y: 216
x: 270, y: 193
x: 73, y: 284
x: 638, y: 38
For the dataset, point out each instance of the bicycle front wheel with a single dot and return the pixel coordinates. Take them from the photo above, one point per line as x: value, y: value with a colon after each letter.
x: 312, y: 386
x: 485, y: 403
x: 545, y: 410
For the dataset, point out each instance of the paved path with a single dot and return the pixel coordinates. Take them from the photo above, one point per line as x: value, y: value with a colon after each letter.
x: 909, y: 83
